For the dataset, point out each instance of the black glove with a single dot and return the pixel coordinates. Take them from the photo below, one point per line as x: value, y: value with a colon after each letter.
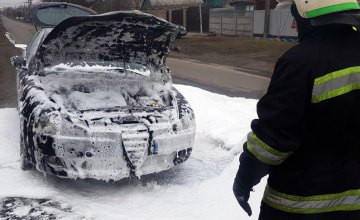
x: 250, y: 172
x: 242, y: 195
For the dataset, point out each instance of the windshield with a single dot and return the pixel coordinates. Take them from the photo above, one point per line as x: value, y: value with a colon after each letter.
x: 105, y: 66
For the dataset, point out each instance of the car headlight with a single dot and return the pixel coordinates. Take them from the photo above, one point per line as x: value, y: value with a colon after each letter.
x: 49, y: 124
x: 58, y: 124
x: 187, y: 123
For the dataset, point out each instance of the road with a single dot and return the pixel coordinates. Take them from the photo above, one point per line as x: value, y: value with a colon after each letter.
x: 20, y: 32
x: 215, y: 78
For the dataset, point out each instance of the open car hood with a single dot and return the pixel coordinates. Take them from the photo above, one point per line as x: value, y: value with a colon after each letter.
x: 125, y: 36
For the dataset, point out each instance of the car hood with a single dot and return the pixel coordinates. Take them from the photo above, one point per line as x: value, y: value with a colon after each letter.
x: 125, y: 36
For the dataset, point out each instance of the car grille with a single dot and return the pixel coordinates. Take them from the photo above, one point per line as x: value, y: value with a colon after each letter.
x: 136, y: 145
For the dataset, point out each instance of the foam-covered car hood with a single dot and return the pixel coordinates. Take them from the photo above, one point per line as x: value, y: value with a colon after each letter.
x: 125, y: 36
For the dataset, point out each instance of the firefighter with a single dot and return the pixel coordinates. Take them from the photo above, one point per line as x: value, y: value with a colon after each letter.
x: 307, y: 135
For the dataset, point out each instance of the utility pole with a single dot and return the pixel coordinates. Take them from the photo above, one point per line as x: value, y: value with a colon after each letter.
x: 201, y: 22
x: 267, y: 19
x: 25, y: 12
x: 27, y: 8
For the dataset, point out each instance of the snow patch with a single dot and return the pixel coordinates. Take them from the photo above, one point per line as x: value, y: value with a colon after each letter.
x: 8, y: 36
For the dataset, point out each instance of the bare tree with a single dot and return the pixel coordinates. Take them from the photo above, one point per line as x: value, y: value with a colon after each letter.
x: 106, y: 5
x: 85, y: 3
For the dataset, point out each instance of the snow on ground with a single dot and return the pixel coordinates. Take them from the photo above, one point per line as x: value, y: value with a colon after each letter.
x: 200, y: 188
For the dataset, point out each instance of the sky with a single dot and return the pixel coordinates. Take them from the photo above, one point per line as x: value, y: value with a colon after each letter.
x: 198, y: 189
x: 13, y: 3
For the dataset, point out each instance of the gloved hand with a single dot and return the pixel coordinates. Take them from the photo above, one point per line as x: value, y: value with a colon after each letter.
x: 250, y: 172
x: 242, y: 195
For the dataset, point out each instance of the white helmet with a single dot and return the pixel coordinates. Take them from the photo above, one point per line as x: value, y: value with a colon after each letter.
x: 315, y: 8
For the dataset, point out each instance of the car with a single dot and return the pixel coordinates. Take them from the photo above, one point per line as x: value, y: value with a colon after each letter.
x: 96, y: 98
x: 182, y: 31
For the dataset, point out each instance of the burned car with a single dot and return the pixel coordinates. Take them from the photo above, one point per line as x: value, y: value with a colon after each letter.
x: 96, y: 98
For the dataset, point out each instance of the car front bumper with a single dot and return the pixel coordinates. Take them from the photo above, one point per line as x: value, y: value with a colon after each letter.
x: 114, y: 155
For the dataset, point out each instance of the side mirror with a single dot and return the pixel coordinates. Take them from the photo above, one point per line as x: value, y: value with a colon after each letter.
x: 21, y: 46
x: 17, y: 61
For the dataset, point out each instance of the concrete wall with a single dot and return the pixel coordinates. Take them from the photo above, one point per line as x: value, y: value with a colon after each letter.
x: 158, y: 13
x: 231, y: 22
x: 280, y: 23
x: 249, y: 23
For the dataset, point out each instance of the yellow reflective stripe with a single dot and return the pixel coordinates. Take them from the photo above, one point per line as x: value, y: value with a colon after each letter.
x: 264, y: 152
x: 335, y: 84
x: 345, y: 201
x: 336, y: 92
x: 267, y: 147
x: 262, y: 158
x: 337, y: 74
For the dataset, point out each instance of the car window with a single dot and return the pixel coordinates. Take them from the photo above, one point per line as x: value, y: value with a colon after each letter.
x: 35, y: 43
x: 138, y: 68
x: 120, y: 67
x: 50, y: 14
x: 53, y: 16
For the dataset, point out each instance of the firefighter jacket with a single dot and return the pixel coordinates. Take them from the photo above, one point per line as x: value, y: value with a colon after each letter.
x: 309, y: 126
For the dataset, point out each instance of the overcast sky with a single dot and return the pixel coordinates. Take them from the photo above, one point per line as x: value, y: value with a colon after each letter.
x: 8, y: 3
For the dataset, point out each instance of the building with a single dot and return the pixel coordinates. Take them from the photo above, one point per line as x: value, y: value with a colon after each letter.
x: 214, y: 3
x: 258, y: 4
x: 174, y: 11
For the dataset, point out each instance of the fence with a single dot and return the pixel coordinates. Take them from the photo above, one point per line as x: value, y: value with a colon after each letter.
x: 280, y: 22
x: 229, y: 21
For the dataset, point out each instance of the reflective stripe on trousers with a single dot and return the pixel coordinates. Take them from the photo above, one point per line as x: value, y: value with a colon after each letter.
x: 345, y: 201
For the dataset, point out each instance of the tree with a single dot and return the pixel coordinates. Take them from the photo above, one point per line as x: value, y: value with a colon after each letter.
x: 18, y: 12
x: 102, y: 6
x: 85, y: 3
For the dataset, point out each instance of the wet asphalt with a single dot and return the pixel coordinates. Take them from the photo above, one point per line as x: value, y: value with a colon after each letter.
x: 7, y: 72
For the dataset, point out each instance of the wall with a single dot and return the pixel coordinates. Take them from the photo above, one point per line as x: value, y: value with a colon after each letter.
x: 228, y: 21
x: 280, y: 23
x: 158, y: 13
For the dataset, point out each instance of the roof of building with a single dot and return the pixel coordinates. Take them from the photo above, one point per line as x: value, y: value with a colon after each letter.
x: 170, y: 4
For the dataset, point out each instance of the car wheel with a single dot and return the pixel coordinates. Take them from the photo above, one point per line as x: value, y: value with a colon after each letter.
x: 24, y: 161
